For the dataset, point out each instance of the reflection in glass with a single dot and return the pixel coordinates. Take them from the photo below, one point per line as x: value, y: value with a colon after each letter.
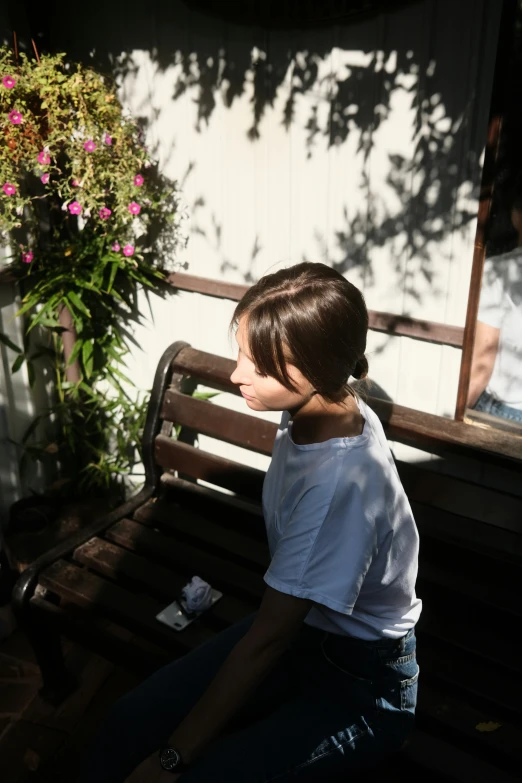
x: 496, y: 370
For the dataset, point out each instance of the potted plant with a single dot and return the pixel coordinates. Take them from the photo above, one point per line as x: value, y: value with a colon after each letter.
x: 88, y: 219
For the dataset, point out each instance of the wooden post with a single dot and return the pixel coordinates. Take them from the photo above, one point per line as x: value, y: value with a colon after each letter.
x: 73, y: 372
x: 477, y: 268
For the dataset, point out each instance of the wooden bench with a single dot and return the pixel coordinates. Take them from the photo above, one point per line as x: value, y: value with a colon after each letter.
x: 104, y: 586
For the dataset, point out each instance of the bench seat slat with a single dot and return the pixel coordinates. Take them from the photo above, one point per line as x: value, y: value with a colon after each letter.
x: 188, y: 559
x: 469, y: 674
x: 212, y: 533
x: 435, y: 620
x: 440, y: 708
x: 456, y: 575
x: 137, y: 612
x: 112, y: 561
x: 452, y: 763
x: 105, y: 637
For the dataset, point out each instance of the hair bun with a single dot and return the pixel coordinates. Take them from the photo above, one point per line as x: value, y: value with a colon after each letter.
x: 361, y: 368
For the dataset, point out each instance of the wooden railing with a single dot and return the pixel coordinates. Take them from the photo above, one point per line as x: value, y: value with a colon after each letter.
x: 398, y: 325
x: 388, y: 323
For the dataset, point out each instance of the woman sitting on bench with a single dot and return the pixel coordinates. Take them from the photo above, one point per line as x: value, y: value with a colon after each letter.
x: 323, y: 678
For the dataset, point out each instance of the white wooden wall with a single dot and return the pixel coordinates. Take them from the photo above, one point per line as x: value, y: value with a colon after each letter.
x: 398, y: 218
x: 376, y: 171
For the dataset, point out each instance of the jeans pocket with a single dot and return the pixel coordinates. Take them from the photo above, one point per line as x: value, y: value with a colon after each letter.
x: 341, y: 666
x: 409, y: 690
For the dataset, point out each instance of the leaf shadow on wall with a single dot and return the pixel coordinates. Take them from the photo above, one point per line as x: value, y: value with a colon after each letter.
x: 304, y: 74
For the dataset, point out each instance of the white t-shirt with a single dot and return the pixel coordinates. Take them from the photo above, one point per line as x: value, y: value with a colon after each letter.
x: 341, y: 532
x: 501, y: 307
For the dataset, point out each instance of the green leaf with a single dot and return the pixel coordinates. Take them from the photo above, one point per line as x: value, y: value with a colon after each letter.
x: 115, y: 371
x: 87, y: 357
x: 77, y: 302
x: 74, y: 353
x: 114, y: 269
x: 87, y: 389
x: 111, y: 350
x: 26, y: 307
x: 204, y: 395
x: 17, y: 363
x: 6, y: 341
x: 40, y: 316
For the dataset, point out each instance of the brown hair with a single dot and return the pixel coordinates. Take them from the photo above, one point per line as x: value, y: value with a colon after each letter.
x: 310, y: 316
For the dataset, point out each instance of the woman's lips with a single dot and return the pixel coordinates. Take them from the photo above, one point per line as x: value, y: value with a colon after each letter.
x: 246, y: 396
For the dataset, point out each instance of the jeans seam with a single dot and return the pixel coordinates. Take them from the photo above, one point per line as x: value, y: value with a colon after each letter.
x: 317, y: 758
x: 400, y: 661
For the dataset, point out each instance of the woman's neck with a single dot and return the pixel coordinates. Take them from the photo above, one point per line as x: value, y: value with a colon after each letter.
x: 317, y: 420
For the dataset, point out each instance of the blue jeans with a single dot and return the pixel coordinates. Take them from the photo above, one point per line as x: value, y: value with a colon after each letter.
x: 489, y: 404
x: 331, y: 704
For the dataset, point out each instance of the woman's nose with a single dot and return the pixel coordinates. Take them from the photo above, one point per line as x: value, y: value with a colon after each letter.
x: 235, y: 376
x: 238, y: 376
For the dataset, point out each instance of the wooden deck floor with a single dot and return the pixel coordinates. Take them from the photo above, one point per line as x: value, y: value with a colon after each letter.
x: 38, y: 743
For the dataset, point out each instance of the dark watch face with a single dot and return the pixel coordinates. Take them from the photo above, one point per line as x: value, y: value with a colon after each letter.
x: 169, y: 758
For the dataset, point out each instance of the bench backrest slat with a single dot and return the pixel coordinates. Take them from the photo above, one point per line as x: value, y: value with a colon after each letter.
x: 204, y: 417
x: 199, y: 464
x: 214, y: 371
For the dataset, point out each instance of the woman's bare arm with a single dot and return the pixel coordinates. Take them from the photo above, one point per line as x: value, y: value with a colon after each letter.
x: 484, y: 355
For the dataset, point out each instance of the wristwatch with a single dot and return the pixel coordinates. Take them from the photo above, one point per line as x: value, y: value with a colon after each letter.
x: 171, y: 761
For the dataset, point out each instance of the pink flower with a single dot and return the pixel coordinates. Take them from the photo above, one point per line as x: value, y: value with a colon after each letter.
x: 138, y: 180
x: 128, y: 251
x: 15, y: 117
x: 27, y: 257
x: 116, y: 247
x: 9, y: 189
x: 45, y: 178
x: 44, y: 158
x: 107, y: 139
x: 105, y: 213
x: 90, y: 146
x: 75, y: 183
x: 134, y: 208
x: 75, y: 208
x: 9, y: 82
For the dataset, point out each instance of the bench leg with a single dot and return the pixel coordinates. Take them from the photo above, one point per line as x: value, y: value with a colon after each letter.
x: 58, y: 682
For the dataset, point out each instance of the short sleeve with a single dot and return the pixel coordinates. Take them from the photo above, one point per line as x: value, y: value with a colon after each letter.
x: 492, y: 308
x: 326, y: 547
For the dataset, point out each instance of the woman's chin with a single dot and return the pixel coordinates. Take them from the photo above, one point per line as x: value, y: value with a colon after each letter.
x: 255, y: 405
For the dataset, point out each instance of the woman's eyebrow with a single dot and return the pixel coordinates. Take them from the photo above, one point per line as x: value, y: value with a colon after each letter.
x: 244, y: 352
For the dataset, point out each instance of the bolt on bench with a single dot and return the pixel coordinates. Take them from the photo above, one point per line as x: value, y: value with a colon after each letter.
x: 104, y: 586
